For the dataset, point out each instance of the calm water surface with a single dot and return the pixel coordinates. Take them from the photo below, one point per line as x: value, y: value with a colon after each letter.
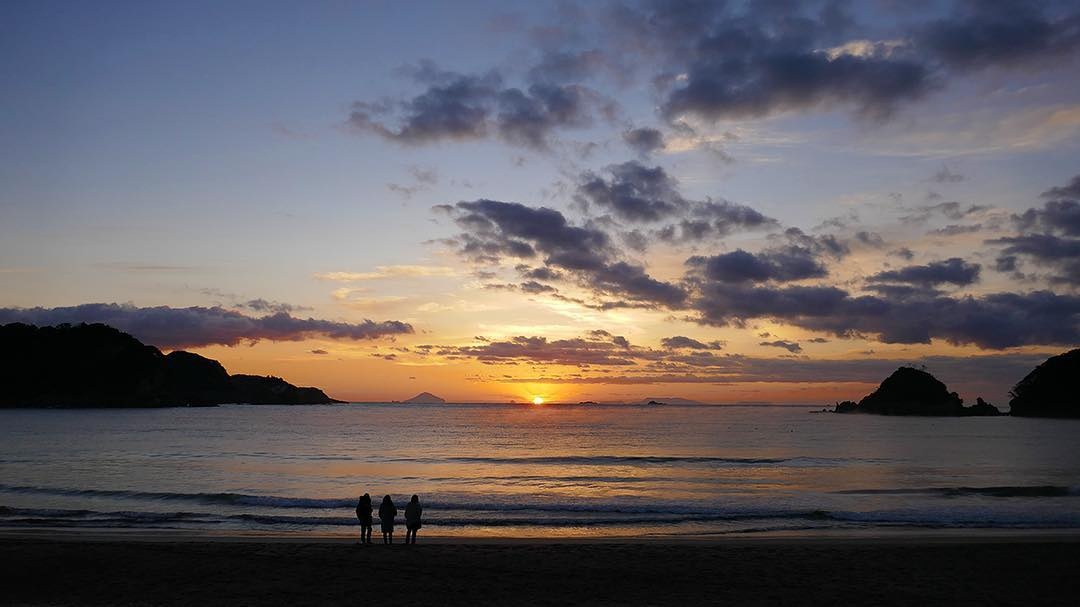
x: 486, y: 470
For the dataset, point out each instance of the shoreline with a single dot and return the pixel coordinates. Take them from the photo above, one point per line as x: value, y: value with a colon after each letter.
x: 854, y: 536
x: 140, y: 570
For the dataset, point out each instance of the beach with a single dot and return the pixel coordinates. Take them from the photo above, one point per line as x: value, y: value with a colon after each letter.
x: 130, y: 569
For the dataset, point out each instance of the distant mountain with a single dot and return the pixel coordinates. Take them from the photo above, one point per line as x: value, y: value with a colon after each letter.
x: 98, y: 366
x: 910, y: 391
x: 1051, y: 390
x: 425, y: 398
x: 666, y: 400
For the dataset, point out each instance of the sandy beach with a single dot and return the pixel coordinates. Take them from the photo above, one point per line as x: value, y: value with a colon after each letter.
x: 159, y: 570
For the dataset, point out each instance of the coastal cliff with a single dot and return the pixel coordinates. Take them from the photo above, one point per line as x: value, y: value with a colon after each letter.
x: 1051, y: 390
x: 94, y: 365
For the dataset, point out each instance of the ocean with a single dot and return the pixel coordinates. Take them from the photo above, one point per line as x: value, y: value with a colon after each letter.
x: 534, y: 471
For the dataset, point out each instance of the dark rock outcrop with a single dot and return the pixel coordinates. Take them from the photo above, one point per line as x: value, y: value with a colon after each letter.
x: 1051, y: 390
x: 910, y: 391
x: 98, y: 366
x: 848, y: 406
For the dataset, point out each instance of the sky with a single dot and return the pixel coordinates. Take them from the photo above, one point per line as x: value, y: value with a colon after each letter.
x: 494, y: 201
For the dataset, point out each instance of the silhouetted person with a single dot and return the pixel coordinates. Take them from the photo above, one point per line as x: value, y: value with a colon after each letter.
x: 413, y: 512
x: 387, y: 512
x: 363, y: 512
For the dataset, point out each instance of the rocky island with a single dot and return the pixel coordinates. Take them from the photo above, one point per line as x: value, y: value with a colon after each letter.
x: 910, y: 391
x: 95, y: 365
x: 1051, y: 390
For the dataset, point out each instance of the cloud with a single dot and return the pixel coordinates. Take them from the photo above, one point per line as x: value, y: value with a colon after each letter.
x: 262, y: 305
x: 197, y: 326
x: 1062, y: 254
x: 578, y: 351
x: 953, y: 271
x: 956, y: 230
x: 644, y: 141
x: 790, y: 346
x: 679, y: 342
x: 792, y: 263
x: 381, y: 272
x: 992, y: 321
x: 1000, y: 34
x: 460, y: 107
x: 1047, y: 235
x: 634, y: 193
x: 495, y: 230
x: 760, y: 62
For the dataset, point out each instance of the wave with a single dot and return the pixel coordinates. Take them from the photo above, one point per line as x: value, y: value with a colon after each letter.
x: 1005, y: 491
x: 720, y: 522
x: 612, y: 460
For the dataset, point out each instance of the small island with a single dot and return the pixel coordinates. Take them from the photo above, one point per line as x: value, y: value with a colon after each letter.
x: 910, y: 391
x: 95, y: 365
x: 425, y: 398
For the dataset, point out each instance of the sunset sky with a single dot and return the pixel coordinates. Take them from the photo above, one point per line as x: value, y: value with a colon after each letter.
x: 766, y: 201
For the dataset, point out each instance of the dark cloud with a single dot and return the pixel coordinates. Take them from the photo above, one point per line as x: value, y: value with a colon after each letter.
x: 263, y: 305
x: 196, y: 326
x: 644, y: 141
x: 1069, y: 191
x: 792, y: 263
x: 790, y: 346
x: 578, y: 351
x: 1001, y: 33
x: 463, y: 107
x: 1061, y: 254
x: 534, y: 287
x: 956, y: 230
x: 541, y: 273
x: 679, y: 342
x: 765, y: 61
x: 497, y: 229
x: 951, y: 210
x: 634, y: 193
x: 953, y: 271
x: 1047, y: 235
x: 870, y: 239
x: 903, y: 253
x: 802, y: 256
x: 319, y: 351
x: 997, y: 320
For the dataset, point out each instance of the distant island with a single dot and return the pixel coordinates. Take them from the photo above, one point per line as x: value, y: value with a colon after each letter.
x: 666, y: 400
x: 95, y: 365
x: 425, y: 398
x: 910, y: 391
x: 1051, y: 390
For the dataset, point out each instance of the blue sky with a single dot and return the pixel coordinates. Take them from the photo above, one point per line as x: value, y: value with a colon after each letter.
x: 208, y: 154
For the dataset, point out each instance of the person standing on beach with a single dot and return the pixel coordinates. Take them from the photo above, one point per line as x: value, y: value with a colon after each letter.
x: 363, y: 512
x: 387, y: 512
x: 413, y: 511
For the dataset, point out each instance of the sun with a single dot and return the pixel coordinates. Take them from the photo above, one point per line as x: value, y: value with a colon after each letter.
x: 537, y: 400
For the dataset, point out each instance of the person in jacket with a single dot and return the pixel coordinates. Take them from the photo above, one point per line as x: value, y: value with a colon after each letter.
x: 387, y: 512
x: 413, y: 512
x: 363, y: 513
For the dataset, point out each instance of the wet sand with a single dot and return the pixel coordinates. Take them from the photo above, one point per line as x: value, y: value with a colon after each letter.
x: 159, y: 570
